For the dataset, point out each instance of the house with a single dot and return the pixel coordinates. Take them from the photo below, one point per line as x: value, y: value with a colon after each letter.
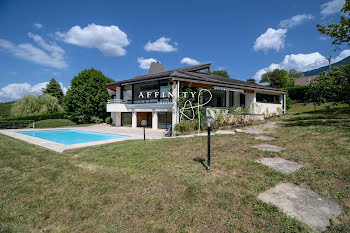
x: 153, y: 96
x: 305, y: 81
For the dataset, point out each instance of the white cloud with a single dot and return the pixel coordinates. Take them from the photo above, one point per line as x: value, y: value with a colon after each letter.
x: 38, y: 25
x: 302, y: 62
x: 323, y: 38
x: 161, y: 45
x: 271, y: 39
x: 295, y: 20
x: 16, y: 91
x: 190, y: 61
x: 343, y: 54
x: 331, y: 7
x: 145, y: 63
x: 110, y: 40
x: 49, y: 54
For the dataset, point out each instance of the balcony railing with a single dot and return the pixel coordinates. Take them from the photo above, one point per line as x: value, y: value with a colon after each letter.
x: 147, y: 101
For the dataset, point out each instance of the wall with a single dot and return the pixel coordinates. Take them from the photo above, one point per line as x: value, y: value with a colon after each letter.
x: 268, y: 109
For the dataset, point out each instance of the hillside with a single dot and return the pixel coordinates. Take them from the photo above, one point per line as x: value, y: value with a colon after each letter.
x: 325, y: 68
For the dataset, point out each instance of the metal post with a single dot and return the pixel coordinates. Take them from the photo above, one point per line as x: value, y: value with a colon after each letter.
x: 208, y: 166
x: 144, y: 133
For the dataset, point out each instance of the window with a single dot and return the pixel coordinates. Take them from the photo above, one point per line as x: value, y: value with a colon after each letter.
x: 242, y: 100
x: 126, y: 119
x: 164, y: 120
x: 231, y: 101
x: 144, y: 92
x: 266, y: 98
x: 127, y: 93
x: 218, y: 99
x: 166, y: 87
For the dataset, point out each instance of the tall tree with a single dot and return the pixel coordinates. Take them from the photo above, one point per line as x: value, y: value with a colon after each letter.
x: 251, y: 80
x: 339, y: 32
x: 53, y: 88
x: 294, y: 74
x: 87, y: 96
x: 36, y: 104
x: 277, y: 78
x: 222, y: 73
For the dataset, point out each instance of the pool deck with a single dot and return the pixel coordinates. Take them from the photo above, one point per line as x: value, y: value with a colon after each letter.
x: 131, y: 133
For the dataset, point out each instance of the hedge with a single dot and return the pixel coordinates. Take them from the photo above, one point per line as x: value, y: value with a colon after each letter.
x: 53, y: 123
x: 297, y: 93
x: 55, y: 115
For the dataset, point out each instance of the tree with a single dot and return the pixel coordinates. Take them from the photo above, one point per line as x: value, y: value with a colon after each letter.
x: 36, y: 104
x: 53, y: 88
x: 251, y: 80
x: 87, y: 96
x: 339, y: 32
x: 294, y: 74
x: 332, y: 87
x: 277, y: 79
x: 222, y: 73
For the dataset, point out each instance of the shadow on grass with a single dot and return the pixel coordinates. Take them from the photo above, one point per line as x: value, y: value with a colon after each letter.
x: 200, y: 160
x: 338, y: 117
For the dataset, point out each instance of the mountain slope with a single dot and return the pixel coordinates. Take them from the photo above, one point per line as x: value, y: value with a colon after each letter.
x: 325, y: 68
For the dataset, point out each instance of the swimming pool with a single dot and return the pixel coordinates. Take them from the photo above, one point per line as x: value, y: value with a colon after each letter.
x: 71, y: 136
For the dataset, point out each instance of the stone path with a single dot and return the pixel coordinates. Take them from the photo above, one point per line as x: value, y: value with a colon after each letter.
x: 265, y: 138
x: 268, y: 147
x: 225, y: 132
x: 303, y: 204
x: 280, y: 165
x: 258, y: 129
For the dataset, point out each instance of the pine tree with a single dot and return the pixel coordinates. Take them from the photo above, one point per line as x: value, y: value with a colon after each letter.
x: 53, y: 88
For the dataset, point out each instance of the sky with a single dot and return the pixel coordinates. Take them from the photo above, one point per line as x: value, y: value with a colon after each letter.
x: 44, y: 39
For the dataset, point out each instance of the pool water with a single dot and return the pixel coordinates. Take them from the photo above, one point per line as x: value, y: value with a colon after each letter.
x: 71, y: 136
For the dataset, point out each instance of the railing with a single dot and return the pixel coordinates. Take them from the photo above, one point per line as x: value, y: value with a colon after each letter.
x: 17, y: 124
x: 147, y: 101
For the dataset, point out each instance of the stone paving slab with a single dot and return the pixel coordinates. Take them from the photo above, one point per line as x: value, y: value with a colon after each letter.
x: 268, y: 147
x: 225, y: 132
x: 265, y: 138
x: 280, y: 165
x: 303, y: 204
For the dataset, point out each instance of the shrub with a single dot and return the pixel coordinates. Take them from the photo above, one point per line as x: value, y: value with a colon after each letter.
x: 288, y: 102
x: 96, y: 120
x: 297, y: 93
x: 55, y: 115
x: 53, y: 123
x: 108, y: 120
x: 187, y: 126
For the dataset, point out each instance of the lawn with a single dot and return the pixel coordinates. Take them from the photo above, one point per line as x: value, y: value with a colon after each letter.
x: 156, y: 186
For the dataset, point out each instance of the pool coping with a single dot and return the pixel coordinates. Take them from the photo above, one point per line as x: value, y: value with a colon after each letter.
x: 57, y: 147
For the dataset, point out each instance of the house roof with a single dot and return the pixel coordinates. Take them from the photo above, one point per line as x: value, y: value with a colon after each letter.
x: 189, y: 74
x: 305, y: 81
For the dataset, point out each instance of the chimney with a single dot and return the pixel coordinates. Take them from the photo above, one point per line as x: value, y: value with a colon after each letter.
x: 155, y: 68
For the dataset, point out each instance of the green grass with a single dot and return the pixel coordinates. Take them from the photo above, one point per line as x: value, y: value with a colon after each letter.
x: 156, y: 186
x: 54, y: 123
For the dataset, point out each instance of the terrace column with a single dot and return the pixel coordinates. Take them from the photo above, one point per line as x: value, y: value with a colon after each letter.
x: 154, y: 120
x: 175, y: 109
x: 134, y: 120
x: 118, y: 119
x: 284, y: 104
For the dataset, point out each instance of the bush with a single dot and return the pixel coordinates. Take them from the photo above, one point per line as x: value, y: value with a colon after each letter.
x: 288, y: 102
x: 187, y: 126
x: 53, y: 123
x: 96, y: 120
x: 55, y: 115
x: 108, y: 120
x: 297, y: 93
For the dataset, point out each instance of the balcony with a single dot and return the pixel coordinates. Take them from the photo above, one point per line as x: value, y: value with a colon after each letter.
x: 118, y: 105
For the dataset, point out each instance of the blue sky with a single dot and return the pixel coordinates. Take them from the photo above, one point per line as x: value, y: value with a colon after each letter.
x: 44, y: 39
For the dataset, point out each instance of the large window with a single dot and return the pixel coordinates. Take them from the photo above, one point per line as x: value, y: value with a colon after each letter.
x: 266, y: 98
x: 164, y: 120
x: 127, y: 93
x: 126, y: 118
x: 218, y: 99
x: 145, y: 92
x: 231, y: 101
